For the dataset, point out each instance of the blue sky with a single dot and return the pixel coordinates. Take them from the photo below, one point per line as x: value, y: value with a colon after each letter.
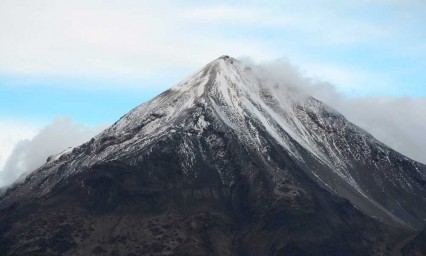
x: 93, y: 61
x: 42, y: 100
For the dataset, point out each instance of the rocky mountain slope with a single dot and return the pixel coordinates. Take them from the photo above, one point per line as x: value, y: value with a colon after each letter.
x: 221, y: 164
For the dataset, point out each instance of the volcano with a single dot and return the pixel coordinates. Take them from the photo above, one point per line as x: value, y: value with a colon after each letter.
x: 221, y: 164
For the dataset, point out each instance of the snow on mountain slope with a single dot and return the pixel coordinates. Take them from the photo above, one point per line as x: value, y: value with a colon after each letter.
x: 332, y: 151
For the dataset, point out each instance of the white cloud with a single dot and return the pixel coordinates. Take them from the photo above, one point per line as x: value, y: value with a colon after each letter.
x: 81, y: 38
x: 11, y: 132
x: 30, y: 153
x: 146, y: 38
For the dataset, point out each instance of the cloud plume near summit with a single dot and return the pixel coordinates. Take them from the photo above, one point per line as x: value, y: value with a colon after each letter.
x: 399, y: 122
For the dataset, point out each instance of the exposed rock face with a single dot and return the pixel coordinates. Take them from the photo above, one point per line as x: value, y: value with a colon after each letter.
x: 220, y: 164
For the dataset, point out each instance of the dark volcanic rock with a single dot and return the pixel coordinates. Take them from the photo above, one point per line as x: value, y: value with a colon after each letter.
x: 417, y: 246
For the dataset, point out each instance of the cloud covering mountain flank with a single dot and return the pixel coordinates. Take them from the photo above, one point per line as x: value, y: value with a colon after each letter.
x: 399, y: 122
x: 30, y: 154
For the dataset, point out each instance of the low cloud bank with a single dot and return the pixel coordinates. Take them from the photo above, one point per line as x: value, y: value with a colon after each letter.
x: 399, y: 122
x: 30, y: 154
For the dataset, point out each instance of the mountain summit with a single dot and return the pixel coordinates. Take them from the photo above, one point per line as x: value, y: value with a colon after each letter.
x: 224, y: 163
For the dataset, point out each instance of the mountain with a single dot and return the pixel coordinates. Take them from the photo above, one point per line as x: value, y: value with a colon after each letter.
x: 224, y: 163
